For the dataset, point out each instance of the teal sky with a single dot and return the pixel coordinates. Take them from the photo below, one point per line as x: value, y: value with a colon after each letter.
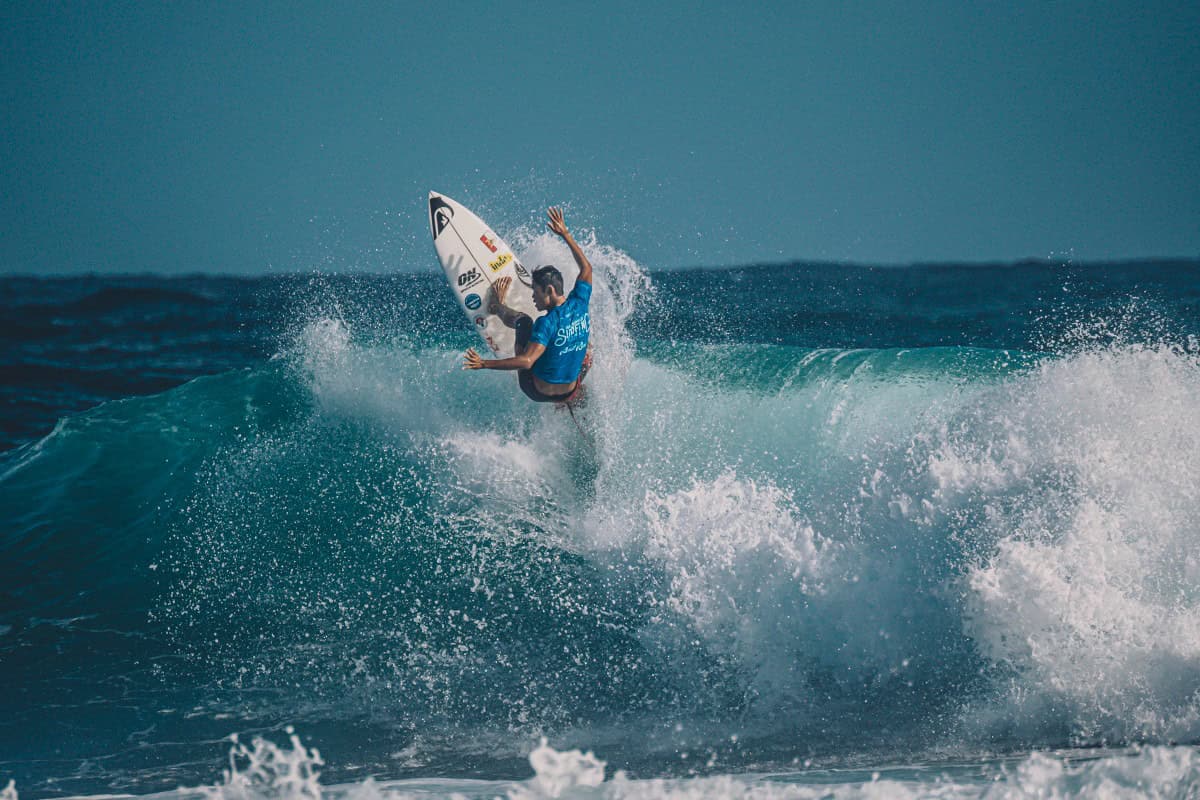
x: 244, y: 138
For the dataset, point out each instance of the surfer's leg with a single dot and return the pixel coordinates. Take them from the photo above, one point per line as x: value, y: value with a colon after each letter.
x: 587, y: 364
x: 576, y: 399
x: 578, y: 396
x: 524, y: 328
x: 525, y: 381
x: 523, y: 325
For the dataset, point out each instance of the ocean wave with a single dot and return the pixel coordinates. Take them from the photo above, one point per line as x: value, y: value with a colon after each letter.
x: 807, y: 537
x: 755, y: 551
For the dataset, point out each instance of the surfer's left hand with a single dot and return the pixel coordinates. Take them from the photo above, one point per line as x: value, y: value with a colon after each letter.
x: 472, y: 360
x: 556, y: 223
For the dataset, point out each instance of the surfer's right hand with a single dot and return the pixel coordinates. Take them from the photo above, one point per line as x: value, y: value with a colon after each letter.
x: 472, y: 360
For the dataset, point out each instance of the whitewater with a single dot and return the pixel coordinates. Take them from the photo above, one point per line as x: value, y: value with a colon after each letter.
x: 826, y: 532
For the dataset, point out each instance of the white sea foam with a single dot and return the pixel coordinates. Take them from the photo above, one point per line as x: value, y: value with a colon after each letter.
x: 1052, y: 515
x: 1087, y: 482
x: 743, y: 568
x: 263, y: 770
x: 559, y: 774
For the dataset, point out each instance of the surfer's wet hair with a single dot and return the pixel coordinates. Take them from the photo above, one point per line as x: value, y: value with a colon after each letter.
x: 548, y: 276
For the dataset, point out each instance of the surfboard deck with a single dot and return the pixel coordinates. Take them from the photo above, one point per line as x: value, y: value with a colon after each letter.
x: 474, y: 257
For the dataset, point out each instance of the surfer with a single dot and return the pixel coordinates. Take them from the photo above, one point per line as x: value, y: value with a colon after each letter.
x: 552, y: 352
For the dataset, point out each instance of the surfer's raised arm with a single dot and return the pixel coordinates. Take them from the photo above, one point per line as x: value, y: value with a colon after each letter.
x: 557, y: 225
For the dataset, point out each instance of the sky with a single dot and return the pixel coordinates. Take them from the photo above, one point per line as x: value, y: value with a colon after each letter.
x: 179, y: 137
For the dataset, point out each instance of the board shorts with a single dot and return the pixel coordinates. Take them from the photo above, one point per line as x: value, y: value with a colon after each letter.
x: 524, y: 329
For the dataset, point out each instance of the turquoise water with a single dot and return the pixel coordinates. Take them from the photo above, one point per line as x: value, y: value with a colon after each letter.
x: 936, y: 524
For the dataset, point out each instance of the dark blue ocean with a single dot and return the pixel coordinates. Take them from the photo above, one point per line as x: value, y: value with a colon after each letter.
x: 819, y: 531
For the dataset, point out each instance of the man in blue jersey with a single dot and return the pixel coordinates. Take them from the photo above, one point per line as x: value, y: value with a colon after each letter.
x: 552, y: 354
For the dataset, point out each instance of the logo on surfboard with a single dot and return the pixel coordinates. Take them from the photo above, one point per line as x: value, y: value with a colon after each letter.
x: 440, y: 214
x: 523, y: 275
x: 472, y: 301
x: 469, y: 279
x: 500, y: 262
x: 490, y: 244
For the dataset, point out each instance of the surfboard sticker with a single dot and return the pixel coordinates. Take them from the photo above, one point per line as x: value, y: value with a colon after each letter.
x: 523, y: 275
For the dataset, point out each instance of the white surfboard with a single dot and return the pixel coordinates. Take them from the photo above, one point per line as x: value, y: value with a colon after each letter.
x: 473, y: 258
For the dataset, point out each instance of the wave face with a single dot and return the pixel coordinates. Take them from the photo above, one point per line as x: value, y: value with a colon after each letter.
x: 748, y: 551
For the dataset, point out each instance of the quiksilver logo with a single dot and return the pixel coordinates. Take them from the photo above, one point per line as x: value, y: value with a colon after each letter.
x: 523, y: 274
x: 440, y: 214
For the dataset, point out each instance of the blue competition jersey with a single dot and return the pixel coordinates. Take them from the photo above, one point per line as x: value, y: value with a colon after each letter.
x: 563, y: 331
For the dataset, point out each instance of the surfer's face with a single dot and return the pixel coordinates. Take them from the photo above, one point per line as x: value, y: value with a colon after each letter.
x: 543, y: 297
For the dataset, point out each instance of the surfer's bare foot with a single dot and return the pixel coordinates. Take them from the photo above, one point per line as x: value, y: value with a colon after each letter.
x: 499, y: 294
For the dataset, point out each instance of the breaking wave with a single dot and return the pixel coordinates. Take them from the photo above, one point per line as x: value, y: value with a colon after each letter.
x: 755, y: 552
